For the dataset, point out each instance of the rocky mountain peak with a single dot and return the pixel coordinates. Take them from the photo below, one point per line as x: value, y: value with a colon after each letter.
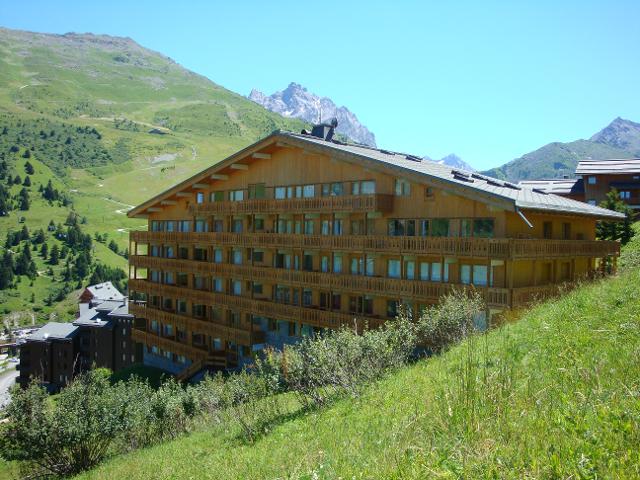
x: 297, y: 102
x: 620, y: 133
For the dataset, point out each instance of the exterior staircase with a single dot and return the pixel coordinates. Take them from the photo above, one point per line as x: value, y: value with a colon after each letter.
x: 215, y: 360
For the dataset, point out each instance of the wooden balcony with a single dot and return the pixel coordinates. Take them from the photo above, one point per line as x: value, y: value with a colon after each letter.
x: 344, y: 203
x: 418, y: 290
x: 192, y: 324
x: 307, y: 315
x: 490, y: 248
x: 166, y: 344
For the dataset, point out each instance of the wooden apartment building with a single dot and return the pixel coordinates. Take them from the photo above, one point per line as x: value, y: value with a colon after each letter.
x: 299, y: 232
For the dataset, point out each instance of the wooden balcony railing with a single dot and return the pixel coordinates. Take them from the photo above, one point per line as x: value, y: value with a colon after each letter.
x: 192, y: 324
x: 494, y: 248
x: 344, y: 203
x: 176, y: 347
x: 417, y: 290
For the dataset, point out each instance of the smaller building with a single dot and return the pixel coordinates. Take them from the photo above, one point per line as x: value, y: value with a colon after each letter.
x: 596, y: 178
x: 99, y: 337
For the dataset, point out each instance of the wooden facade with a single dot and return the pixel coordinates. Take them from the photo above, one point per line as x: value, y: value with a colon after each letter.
x: 286, y: 236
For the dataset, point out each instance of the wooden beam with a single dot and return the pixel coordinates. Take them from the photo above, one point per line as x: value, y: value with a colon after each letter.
x: 184, y: 194
x: 264, y: 156
x: 200, y: 185
x: 239, y: 166
x: 168, y: 202
x: 154, y: 209
x: 219, y: 176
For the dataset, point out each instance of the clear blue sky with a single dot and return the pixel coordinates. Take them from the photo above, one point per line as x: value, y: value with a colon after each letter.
x: 487, y: 80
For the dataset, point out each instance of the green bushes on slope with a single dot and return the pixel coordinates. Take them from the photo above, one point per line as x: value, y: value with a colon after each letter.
x: 91, y: 418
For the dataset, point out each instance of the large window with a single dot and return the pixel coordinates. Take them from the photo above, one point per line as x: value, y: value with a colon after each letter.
x: 393, y: 268
x: 592, y: 180
x: 199, y: 197
x: 332, y: 189
x: 337, y: 263
x: 236, y: 195
x: 483, y: 227
x: 480, y: 275
x: 440, y: 227
x: 402, y: 187
x: 257, y: 190
x: 216, y: 196
x: 308, y: 191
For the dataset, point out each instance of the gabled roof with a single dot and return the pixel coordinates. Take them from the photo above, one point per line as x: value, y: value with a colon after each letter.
x: 565, y: 186
x: 472, y: 185
x: 622, y: 166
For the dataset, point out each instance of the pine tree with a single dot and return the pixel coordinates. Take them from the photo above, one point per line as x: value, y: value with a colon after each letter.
x: 113, y: 246
x: 23, y: 199
x: 44, y: 250
x: 17, y: 180
x: 6, y: 271
x: 54, y: 256
x: 27, y: 181
x: 608, y: 230
x: 24, y: 264
x: 28, y: 168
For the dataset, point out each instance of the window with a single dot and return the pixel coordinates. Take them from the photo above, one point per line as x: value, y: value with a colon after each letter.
x: 483, y: 227
x: 424, y: 270
x: 199, y: 197
x: 236, y: 287
x: 181, y: 306
x: 402, y: 187
x: 368, y: 187
x: 396, y: 227
x: 236, y: 226
x: 337, y: 263
x: 436, y: 272
x: 168, y: 278
x: 308, y: 227
x: 168, y: 252
x: 392, y: 308
x: 257, y: 288
x: 337, y: 227
x: 217, y: 255
x: 357, y: 265
x: 566, y: 231
x: 280, y: 193
x: 307, y: 262
x: 306, y: 297
x: 155, y: 251
x: 285, y: 226
x: 257, y: 190
x: 591, y: 180
x: 326, y: 227
x: 370, y: 266
x: 258, y: 256
x: 218, y: 226
x: 236, y: 257
x: 199, y: 311
x: 200, y: 254
x: 336, y: 301
x: 218, y: 286
x: 258, y: 224
x: 410, y: 228
x: 480, y: 275
x: 199, y: 283
x: 182, y: 279
x: 465, y: 227
x: 625, y: 194
x: 547, y: 230
x: 201, y: 225
x: 216, y: 196
x: 424, y: 228
x: 465, y: 274
x: 156, y: 226
x: 324, y: 264
x: 308, y: 191
x: 440, y: 227
x: 591, y: 202
x: 184, y: 226
x: 170, y: 226
x: 410, y: 269
x: 236, y: 195
x: 393, y: 269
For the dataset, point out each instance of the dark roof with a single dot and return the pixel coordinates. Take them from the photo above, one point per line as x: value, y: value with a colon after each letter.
x: 476, y: 186
x: 565, y: 186
x: 620, y: 167
x: 54, y: 330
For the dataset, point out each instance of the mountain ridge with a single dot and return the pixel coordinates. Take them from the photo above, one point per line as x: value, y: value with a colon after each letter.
x: 296, y: 101
x: 619, y: 139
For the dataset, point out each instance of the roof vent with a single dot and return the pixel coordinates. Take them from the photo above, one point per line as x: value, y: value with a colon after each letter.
x: 539, y: 190
x: 324, y: 131
x: 413, y: 158
x: 386, y: 152
x: 512, y: 185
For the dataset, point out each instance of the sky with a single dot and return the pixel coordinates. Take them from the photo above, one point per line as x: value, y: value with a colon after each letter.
x: 488, y: 80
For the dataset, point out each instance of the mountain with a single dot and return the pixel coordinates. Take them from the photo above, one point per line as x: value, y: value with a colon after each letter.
x: 110, y: 123
x: 620, y: 139
x: 295, y: 101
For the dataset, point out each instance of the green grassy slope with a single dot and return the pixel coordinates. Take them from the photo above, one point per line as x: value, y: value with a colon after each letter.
x: 554, y: 395
x: 107, y: 94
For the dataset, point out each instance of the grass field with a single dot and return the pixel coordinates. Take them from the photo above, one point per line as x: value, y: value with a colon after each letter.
x: 555, y: 395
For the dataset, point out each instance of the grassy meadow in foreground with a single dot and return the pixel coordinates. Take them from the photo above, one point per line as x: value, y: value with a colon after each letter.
x: 554, y: 395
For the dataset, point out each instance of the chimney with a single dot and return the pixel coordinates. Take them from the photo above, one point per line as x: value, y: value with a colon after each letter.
x: 325, y: 131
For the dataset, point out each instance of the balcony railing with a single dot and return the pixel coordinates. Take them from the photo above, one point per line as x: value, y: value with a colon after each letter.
x: 178, y: 348
x: 494, y: 248
x: 192, y: 324
x: 417, y: 290
x: 343, y: 203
